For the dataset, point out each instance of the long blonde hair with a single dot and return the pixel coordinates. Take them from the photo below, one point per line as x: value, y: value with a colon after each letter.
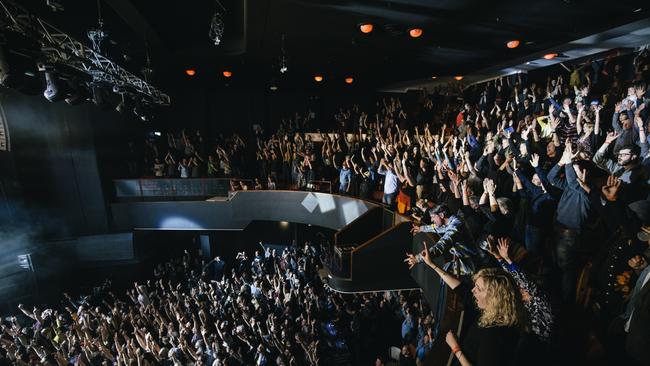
x: 503, y: 300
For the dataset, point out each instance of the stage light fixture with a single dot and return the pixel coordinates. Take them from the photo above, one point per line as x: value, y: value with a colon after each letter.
x: 366, y: 27
x: 513, y: 44
x: 415, y: 32
x: 273, y: 87
x: 318, y: 78
x: 190, y: 72
x: 227, y: 73
x: 349, y: 80
x: 550, y: 56
x: 53, y: 91
x: 458, y: 78
x: 434, y: 77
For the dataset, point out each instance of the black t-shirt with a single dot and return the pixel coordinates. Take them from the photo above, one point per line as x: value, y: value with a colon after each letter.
x: 491, y: 346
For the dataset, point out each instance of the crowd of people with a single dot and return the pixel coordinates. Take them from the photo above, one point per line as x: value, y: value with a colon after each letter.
x: 269, y: 308
x: 555, y: 162
x: 536, y: 187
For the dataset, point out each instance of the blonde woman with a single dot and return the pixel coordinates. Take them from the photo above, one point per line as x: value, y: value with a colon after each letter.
x: 492, y: 339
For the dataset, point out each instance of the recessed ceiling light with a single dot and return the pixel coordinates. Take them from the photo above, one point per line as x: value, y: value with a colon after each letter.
x: 227, y: 73
x: 190, y: 72
x: 459, y: 78
x: 366, y: 27
x: 273, y: 87
x: 349, y: 80
x: 415, y: 32
x: 318, y: 78
x: 434, y: 77
x: 513, y: 44
x: 638, y: 10
x: 550, y: 56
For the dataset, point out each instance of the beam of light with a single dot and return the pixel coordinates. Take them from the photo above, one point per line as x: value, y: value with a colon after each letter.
x: 177, y: 222
x: 326, y: 203
x: 310, y: 202
x: 350, y: 211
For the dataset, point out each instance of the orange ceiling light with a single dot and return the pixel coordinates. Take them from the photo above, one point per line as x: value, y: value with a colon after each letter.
x: 550, y: 56
x: 227, y: 73
x: 459, y: 78
x: 415, y: 32
x: 366, y: 27
x: 513, y: 44
x: 349, y: 80
x: 318, y: 78
x: 190, y: 72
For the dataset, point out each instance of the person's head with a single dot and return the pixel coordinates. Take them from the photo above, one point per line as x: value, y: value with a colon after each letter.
x: 526, y: 103
x: 505, y: 205
x: 405, y: 351
x: 628, y: 155
x: 498, y: 298
x: 536, y: 180
x: 423, y: 164
x: 439, y: 215
x: 379, y: 361
x: 474, y: 203
x: 551, y: 149
x: 499, y: 159
x: 625, y: 120
x: 523, y: 149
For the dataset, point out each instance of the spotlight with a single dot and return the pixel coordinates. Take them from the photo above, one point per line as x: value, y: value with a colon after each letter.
x: 458, y: 78
x: 273, y: 87
x: 550, y: 56
x: 349, y: 80
x: 190, y: 72
x: 318, y: 78
x: 52, y: 92
x: 513, y: 44
x: 366, y: 28
x: 434, y: 77
x: 227, y: 73
x: 415, y: 32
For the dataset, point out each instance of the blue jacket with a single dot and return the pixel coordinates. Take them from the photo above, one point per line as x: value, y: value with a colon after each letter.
x: 575, y: 204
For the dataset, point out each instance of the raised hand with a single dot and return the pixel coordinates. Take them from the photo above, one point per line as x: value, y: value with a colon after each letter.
x: 415, y: 229
x: 451, y: 340
x: 534, y: 160
x: 611, y: 137
x: 639, y: 122
x: 637, y: 262
x: 502, y: 247
x: 610, y: 190
x: 617, y: 107
x: 490, y: 186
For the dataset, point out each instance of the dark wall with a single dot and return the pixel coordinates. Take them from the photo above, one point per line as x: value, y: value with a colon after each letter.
x: 52, y: 176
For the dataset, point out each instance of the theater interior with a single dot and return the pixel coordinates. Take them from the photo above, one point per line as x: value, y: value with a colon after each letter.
x: 324, y: 182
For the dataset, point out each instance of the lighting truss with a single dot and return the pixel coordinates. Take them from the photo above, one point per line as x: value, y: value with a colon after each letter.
x: 62, y: 48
